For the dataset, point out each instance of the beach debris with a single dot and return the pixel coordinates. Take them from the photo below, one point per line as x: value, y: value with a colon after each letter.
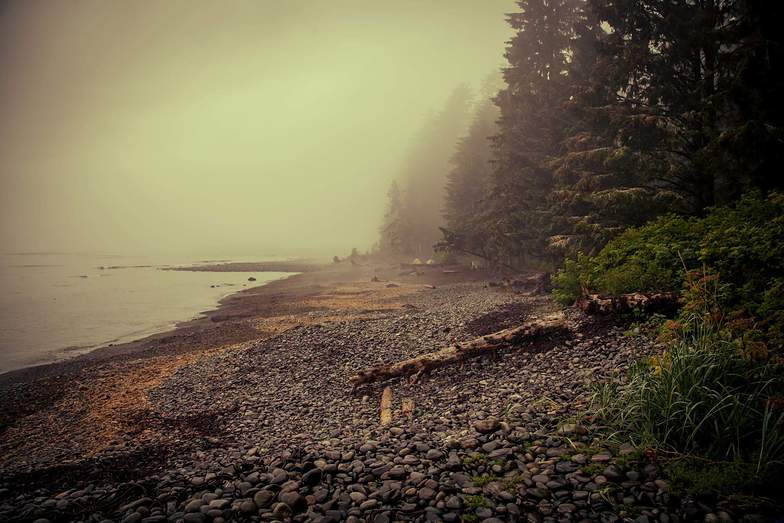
x: 408, y: 408
x: 536, y: 328
x: 386, y: 406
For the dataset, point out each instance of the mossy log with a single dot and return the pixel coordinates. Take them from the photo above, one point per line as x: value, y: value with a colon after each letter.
x: 658, y: 302
x: 530, y: 330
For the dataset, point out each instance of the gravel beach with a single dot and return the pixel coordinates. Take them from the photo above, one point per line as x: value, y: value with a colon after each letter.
x: 250, y: 415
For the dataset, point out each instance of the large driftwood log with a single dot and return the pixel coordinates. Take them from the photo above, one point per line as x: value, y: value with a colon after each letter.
x: 530, y: 330
x: 660, y: 302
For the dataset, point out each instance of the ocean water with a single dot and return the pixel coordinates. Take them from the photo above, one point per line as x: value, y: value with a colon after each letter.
x: 54, y: 306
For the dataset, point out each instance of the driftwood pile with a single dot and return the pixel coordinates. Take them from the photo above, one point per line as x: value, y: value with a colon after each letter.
x: 528, y: 331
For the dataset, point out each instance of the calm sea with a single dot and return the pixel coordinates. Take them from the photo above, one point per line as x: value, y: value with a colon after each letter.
x: 55, y: 306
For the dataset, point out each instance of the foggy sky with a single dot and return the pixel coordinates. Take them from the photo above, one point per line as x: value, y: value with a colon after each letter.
x: 223, y: 128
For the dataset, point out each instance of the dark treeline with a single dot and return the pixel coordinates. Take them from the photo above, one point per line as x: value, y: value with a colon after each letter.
x: 612, y: 113
x: 635, y: 147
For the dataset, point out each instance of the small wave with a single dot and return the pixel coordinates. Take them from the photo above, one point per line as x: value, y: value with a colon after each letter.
x: 34, y: 265
x: 33, y: 253
x: 112, y: 267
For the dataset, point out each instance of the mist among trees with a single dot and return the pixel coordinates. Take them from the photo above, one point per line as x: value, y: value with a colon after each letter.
x: 634, y: 150
x: 611, y: 114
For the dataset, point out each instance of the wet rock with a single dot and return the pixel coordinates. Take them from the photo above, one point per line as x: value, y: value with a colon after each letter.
x: 281, y: 511
x: 294, y: 500
x: 487, y: 426
x: 264, y: 498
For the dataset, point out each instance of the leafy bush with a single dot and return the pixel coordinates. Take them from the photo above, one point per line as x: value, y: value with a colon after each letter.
x: 568, y: 282
x: 640, y: 259
x: 741, y: 246
x: 716, y: 396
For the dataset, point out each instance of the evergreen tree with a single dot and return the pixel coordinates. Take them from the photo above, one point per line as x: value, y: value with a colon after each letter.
x: 467, y: 182
x: 532, y: 126
x: 685, y: 116
x: 599, y: 187
x: 689, y: 80
x: 615, y: 112
x: 393, y: 228
x: 424, y: 174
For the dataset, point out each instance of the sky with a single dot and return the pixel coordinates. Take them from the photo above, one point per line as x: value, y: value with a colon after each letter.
x: 221, y: 128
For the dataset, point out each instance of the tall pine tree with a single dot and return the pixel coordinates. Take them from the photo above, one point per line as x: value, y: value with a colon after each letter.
x: 533, y: 123
x: 393, y: 228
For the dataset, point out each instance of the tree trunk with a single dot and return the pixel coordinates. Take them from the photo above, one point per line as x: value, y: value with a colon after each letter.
x: 660, y: 302
x: 550, y: 324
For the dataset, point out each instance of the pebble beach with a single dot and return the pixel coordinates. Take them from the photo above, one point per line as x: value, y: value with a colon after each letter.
x: 250, y: 415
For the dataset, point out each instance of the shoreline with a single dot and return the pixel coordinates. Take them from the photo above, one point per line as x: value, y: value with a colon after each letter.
x: 65, y: 355
x: 246, y: 315
x: 136, y: 341
x: 229, y: 266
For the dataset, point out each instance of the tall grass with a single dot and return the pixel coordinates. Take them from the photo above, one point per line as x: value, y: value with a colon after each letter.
x: 703, y: 397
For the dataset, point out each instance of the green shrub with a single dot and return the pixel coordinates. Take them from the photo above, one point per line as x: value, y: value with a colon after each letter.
x: 569, y: 281
x: 716, y: 396
x: 741, y: 246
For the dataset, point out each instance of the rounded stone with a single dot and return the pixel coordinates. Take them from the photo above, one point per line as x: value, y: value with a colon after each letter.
x: 312, y: 477
x: 263, y: 498
x: 281, y: 511
x: 248, y: 507
x: 294, y: 500
x: 487, y: 426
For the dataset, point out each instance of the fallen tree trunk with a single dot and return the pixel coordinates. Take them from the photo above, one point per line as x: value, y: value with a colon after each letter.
x: 659, y: 302
x: 458, y: 352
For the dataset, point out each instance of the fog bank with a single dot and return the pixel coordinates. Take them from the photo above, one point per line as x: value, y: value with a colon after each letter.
x: 221, y: 127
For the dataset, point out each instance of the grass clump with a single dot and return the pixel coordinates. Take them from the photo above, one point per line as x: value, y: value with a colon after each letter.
x: 483, y: 480
x: 705, y: 397
x: 477, y: 458
x: 630, y: 459
x: 477, y: 501
x: 592, y: 469
x: 512, y: 482
x: 696, y: 477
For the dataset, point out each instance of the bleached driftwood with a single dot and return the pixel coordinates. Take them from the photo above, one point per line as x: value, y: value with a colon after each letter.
x: 657, y: 302
x: 458, y: 352
x: 386, y: 406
